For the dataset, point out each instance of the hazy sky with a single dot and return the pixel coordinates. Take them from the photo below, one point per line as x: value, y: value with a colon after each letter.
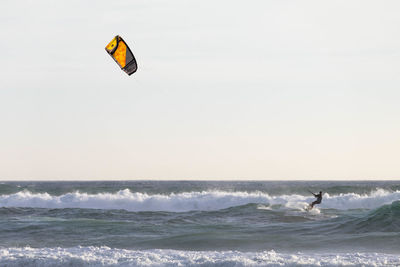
x: 225, y: 90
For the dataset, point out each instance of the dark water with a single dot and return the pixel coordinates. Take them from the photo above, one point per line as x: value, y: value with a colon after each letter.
x: 174, y: 219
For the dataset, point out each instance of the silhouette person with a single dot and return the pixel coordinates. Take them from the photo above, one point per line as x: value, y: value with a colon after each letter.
x: 318, y: 201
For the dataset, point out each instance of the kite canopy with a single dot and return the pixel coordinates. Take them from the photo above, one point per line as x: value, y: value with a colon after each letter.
x: 121, y: 53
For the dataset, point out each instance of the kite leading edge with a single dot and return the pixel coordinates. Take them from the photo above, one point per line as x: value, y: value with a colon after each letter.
x: 120, y: 52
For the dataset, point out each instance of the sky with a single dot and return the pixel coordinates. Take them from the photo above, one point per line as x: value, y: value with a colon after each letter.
x: 225, y: 89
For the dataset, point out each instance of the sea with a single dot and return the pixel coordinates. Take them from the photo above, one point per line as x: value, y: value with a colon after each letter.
x: 199, y: 223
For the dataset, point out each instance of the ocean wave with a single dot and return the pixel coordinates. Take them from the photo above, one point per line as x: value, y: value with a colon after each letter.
x: 188, y: 201
x: 383, y: 219
x: 105, y: 256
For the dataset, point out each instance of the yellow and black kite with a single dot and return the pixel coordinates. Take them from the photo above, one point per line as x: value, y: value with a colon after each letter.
x: 121, y: 53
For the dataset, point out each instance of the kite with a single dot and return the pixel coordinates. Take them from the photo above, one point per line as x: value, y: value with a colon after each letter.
x: 121, y: 53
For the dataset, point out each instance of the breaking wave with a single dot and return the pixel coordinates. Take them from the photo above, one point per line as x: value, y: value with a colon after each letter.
x: 105, y: 256
x: 188, y: 201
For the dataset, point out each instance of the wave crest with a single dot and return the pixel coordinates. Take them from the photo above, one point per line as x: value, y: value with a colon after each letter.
x: 182, y: 202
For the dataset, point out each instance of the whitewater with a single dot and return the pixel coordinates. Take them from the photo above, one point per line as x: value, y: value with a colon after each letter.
x: 187, y: 201
x: 104, y: 256
x: 174, y: 223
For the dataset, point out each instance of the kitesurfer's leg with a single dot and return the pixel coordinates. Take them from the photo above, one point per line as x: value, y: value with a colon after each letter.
x: 315, y: 202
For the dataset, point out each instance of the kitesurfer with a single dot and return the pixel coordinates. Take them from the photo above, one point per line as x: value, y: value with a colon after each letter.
x: 318, y: 201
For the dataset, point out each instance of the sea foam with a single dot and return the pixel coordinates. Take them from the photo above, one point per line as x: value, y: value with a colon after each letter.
x: 105, y: 256
x: 187, y: 201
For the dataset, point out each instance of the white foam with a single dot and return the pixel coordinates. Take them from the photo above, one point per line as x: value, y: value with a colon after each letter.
x: 373, y: 200
x: 263, y: 207
x: 105, y: 256
x: 181, y: 202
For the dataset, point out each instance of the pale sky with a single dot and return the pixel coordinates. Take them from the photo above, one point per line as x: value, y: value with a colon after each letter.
x: 224, y: 90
